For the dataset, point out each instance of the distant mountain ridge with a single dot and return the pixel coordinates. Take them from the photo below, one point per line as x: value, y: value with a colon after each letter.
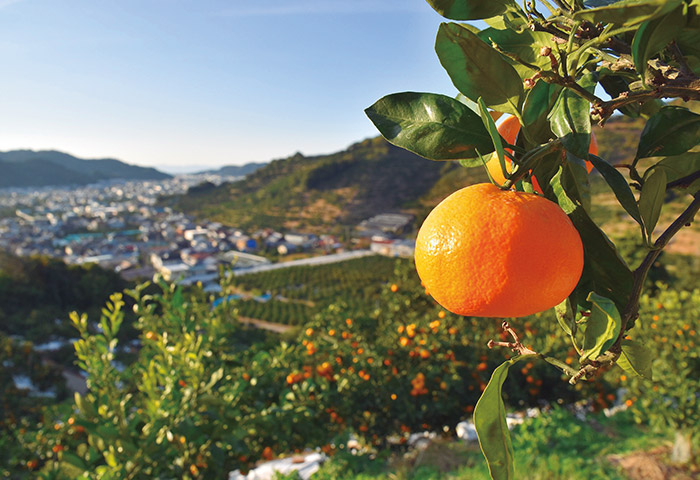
x: 237, y: 170
x: 29, y: 168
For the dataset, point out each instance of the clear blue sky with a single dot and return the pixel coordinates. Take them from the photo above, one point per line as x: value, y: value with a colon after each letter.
x: 190, y: 84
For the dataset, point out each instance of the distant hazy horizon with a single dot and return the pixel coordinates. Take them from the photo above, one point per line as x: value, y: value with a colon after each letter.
x: 187, y: 86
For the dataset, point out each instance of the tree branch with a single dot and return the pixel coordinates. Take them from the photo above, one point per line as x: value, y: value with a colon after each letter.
x: 570, y: 83
x: 685, y: 90
x: 631, y: 310
x: 683, y: 182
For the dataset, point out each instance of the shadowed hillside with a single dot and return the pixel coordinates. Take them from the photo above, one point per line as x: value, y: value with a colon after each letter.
x: 29, y: 168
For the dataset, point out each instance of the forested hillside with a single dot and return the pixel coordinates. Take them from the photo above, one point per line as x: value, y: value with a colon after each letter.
x: 38, y: 293
x: 370, y: 177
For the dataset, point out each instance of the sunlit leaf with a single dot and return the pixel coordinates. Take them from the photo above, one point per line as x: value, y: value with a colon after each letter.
x: 651, y: 199
x: 539, y: 101
x: 470, y: 9
x: 636, y: 359
x: 672, y: 131
x: 599, y: 3
x: 627, y: 12
x: 491, y: 426
x: 577, y: 181
x: 493, y: 133
x: 524, y: 44
x: 565, y: 316
x: 570, y: 121
x: 477, y: 70
x: 682, y: 166
x: 654, y: 35
x: 434, y: 126
x: 602, y: 328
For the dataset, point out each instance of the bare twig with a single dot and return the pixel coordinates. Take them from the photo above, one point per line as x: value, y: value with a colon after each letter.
x: 515, y: 345
x: 570, y: 83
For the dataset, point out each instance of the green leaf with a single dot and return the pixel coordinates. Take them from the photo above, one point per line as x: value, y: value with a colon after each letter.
x: 694, y: 186
x: 472, y: 162
x: 565, y: 316
x: 602, y: 327
x: 636, y: 359
x: 495, y: 136
x: 108, y: 432
x: 477, y: 70
x: 651, y: 199
x: 577, y: 181
x: 525, y: 44
x: 619, y: 186
x: 469, y: 9
x: 571, y: 122
x: 539, y: 101
x: 604, y: 270
x: 74, y: 460
x: 491, y: 426
x: 434, y: 126
x: 627, y: 12
x: 653, y: 35
x: 680, y: 166
x: 671, y: 131
x: 473, y: 106
x: 688, y: 40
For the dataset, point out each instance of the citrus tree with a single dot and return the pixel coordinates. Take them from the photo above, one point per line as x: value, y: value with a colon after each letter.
x: 554, y: 68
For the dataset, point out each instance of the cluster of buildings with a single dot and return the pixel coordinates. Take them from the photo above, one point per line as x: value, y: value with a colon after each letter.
x: 120, y: 225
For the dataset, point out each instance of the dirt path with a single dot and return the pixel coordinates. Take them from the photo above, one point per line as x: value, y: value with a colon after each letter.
x: 652, y: 465
x: 265, y: 325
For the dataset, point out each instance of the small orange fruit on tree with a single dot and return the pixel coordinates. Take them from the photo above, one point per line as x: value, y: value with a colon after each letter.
x: 509, y: 129
x: 489, y: 252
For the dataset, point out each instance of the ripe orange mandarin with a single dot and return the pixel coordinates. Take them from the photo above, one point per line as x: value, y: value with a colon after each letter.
x: 488, y: 252
x: 508, y: 129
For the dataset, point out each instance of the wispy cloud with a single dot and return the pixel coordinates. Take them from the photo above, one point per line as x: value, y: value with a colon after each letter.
x: 311, y: 7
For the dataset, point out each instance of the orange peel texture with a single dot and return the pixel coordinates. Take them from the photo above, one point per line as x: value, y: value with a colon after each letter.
x: 488, y: 252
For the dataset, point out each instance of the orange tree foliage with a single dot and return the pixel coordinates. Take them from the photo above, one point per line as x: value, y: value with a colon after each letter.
x: 195, y: 400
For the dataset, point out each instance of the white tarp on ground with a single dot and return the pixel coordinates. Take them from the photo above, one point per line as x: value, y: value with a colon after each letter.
x: 309, y: 463
x: 305, y: 465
